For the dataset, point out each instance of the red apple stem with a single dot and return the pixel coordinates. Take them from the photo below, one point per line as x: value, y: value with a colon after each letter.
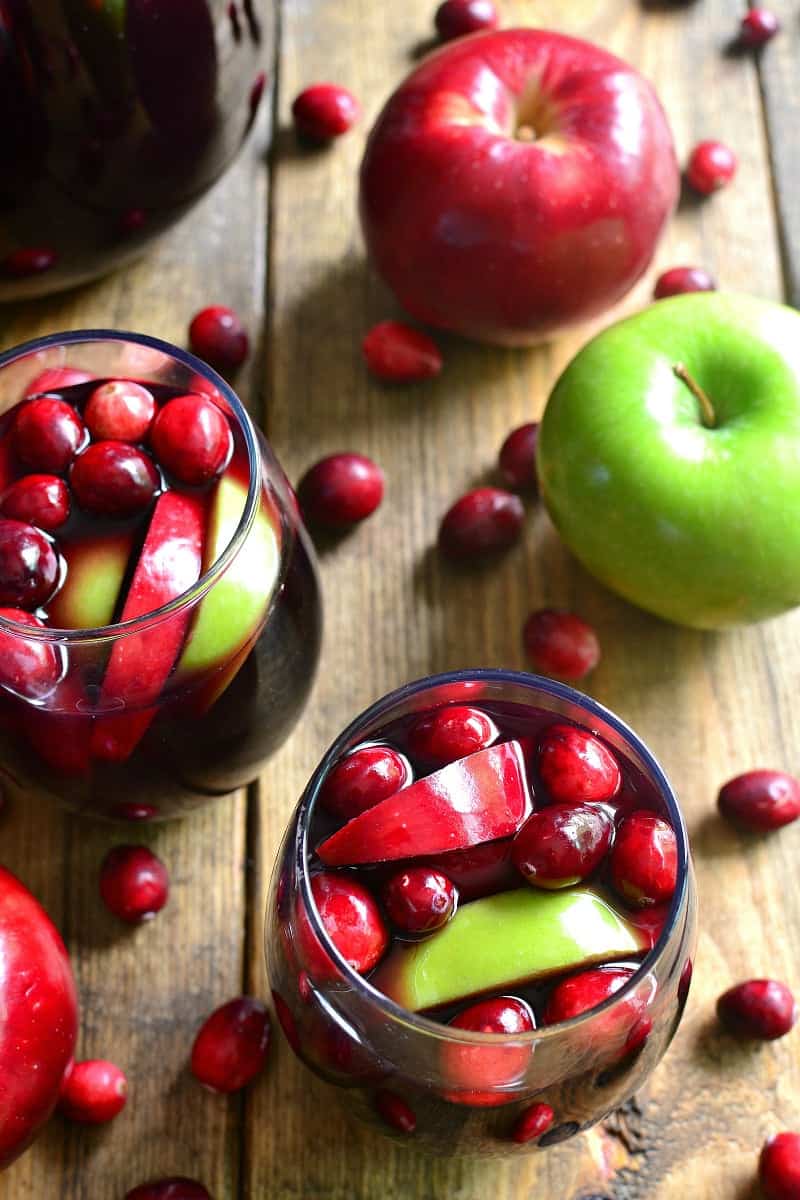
x: 707, y: 413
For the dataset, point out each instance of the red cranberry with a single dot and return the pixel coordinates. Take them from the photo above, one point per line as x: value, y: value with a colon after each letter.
x: 644, y: 861
x: 363, y: 779
x: 52, y: 379
x: 231, y: 1047
x: 48, y: 434
x: 757, y: 27
x: 451, y: 732
x: 256, y: 92
x: 576, y: 767
x: 472, y: 1070
x: 760, y: 801
x: 340, y: 490
x: 454, y: 18
x: 562, y: 844
x: 517, y: 458
x: 560, y: 644
x: 113, y: 479
x: 758, y: 1008
x: 217, y: 335
x: 134, y: 883
x: 41, y: 500
x: 679, y: 280
x: 419, y: 900
x: 29, y: 667
x: 132, y: 221
x: 779, y: 1167
x: 287, y: 1022
x: 579, y: 993
x: 324, y: 111
x: 711, y: 166
x: 191, y: 439
x: 351, y: 918
x: 29, y: 260
x: 395, y: 1112
x: 93, y: 1092
x: 535, y: 1121
x: 177, y: 1187
x: 28, y: 565
x: 481, y: 522
x: 397, y: 353
x: 121, y: 410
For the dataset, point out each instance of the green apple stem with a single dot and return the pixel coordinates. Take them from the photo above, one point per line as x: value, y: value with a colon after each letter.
x: 707, y: 413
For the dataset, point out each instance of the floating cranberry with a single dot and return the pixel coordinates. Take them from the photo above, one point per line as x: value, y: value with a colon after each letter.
x: 191, y: 439
x: 533, y: 1122
x: 120, y: 410
x: 53, y: 379
x: 759, y: 1008
x: 29, y: 260
x: 93, y: 1092
x: 760, y: 801
x: 217, y: 335
x: 711, y: 166
x: 481, y: 522
x: 679, y: 280
x: 419, y: 900
x: 113, y: 479
x: 579, y: 993
x: 28, y: 565
x: 256, y: 92
x: 340, y: 490
x: 644, y: 861
x: 449, y: 733
x: 517, y: 458
x: 560, y: 644
x: 134, y: 883
x: 455, y: 18
x: 363, y: 779
x: 177, y: 1187
x: 41, y: 500
x: 576, y: 767
x: 393, y: 1109
x: 324, y: 111
x: 132, y: 221
x: 757, y: 26
x: 231, y: 1046
x: 28, y: 666
x: 562, y: 844
x: 474, y: 1072
x: 48, y: 434
x: 397, y: 353
x: 779, y: 1167
x: 351, y: 918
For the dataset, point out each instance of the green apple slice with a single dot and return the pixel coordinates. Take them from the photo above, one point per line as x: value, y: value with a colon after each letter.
x: 505, y: 940
x: 95, y: 571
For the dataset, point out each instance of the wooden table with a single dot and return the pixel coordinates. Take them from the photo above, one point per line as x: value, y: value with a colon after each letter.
x: 278, y: 239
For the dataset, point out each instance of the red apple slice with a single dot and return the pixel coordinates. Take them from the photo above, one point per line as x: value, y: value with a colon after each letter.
x: 476, y: 799
x: 140, y: 663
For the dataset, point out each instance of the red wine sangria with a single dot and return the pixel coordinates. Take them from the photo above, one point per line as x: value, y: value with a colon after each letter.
x: 482, y: 919
x: 159, y: 607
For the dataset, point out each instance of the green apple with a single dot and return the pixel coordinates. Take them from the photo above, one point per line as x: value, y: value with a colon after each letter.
x: 95, y: 571
x: 504, y: 940
x: 669, y: 458
x: 98, y: 28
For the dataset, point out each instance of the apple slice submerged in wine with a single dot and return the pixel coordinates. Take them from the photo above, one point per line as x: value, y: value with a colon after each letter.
x: 95, y: 572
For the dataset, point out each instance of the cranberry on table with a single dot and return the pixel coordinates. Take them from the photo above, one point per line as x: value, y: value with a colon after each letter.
x: 779, y: 1167
x: 41, y: 500
x: 324, y: 111
x: 451, y: 732
x: 579, y: 993
x: 191, y: 439
x: 48, y: 434
x: 481, y: 522
x: 758, y: 1008
x: 533, y: 1122
x: 113, y: 479
x: 217, y: 335
x: 28, y: 565
x: 52, y: 379
x: 29, y: 260
x: 576, y: 767
x: 644, y: 861
x: 363, y: 779
x: 177, y: 1187
x: 93, y: 1092
x: 757, y: 27
x: 351, y: 918
x: 134, y: 883
x: 677, y: 281
x: 562, y: 844
x: 517, y: 458
x: 760, y: 801
x: 711, y: 166
x: 455, y: 18
x: 340, y: 490
x: 397, y: 353
x: 395, y: 1112
x: 120, y: 410
x: 560, y: 644
x: 28, y: 666
x: 419, y: 899
x: 230, y: 1049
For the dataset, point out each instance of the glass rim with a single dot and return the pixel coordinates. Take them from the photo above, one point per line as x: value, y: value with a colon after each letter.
x: 396, y: 1013
x: 209, y: 577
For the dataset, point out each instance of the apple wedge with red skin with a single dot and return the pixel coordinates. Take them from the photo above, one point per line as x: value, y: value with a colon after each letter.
x: 477, y: 799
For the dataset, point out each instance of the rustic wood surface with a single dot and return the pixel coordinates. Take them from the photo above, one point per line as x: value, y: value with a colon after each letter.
x: 278, y: 239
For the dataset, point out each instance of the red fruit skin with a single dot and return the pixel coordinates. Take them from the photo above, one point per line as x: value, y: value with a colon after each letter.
x: 585, y: 221
x: 456, y: 18
x: 679, y: 280
x: 757, y: 27
x: 535, y: 1121
x: 217, y: 335
x: 419, y: 899
x: 94, y: 1091
x: 53, y: 379
x: 395, y: 1112
x: 28, y: 667
x: 48, y: 434
x: 29, y: 260
x: 760, y: 801
x: 779, y: 1167
x: 579, y: 993
x: 121, y: 411
x: 175, y: 1188
x: 28, y: 565
x: 475, y: 1070
x: 562, y: 844
x: 324, y: 111
x: 191, y: 439
x: 397, y: 353
x: 230, y: 1049
x: 479, y: 870
x: 340, y: 490
x: 483, y: 521
x: 41, y: 500
x: 560, y: 644
x: 40, y: 1016
x: 113, y: 479
x: 477, y: 799
x: 517, y: 458
x: 576, y: 767
x: 644, y: 861
x: 362, y: 779
x: 352, y: 920
x: 451, y: 732
x: 758, y: 1008
x: 711, y: 166
x: 134, y: 883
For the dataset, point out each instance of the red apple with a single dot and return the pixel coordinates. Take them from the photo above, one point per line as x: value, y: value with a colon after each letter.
x: 517, y: 182
x: 38, y: 1017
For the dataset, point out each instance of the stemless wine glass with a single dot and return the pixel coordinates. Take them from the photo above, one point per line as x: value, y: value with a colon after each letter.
x: 397, y: 1066
x: 147, y: 718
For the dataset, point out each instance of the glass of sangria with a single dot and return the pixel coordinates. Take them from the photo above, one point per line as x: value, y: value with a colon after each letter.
x: 483, y: 915
x: 159, y: 607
